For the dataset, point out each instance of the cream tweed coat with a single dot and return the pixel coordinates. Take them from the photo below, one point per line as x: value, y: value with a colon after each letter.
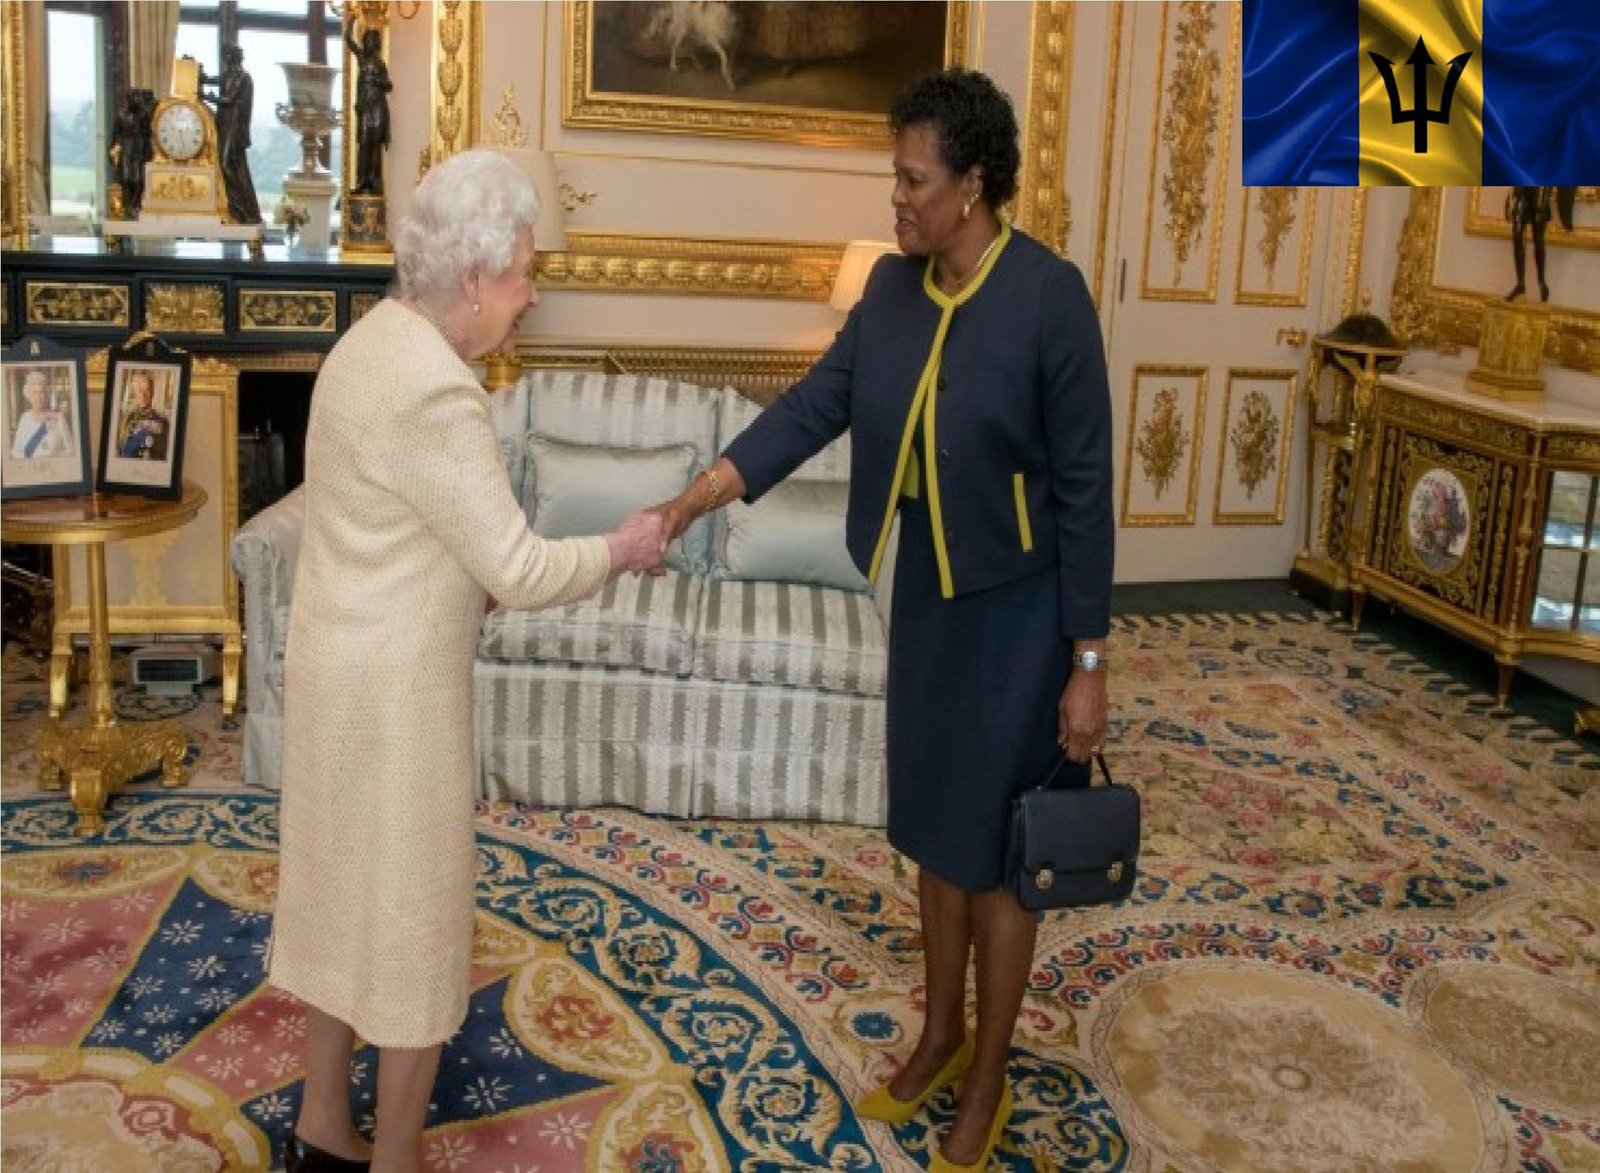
x: 410, y: 519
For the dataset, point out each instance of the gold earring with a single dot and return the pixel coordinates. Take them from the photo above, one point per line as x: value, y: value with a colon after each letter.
x: 966, y: 209
x: 476, y: 307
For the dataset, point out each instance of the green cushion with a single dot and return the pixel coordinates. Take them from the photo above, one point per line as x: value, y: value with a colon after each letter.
x: 581, y: 489
x: 793, y: 534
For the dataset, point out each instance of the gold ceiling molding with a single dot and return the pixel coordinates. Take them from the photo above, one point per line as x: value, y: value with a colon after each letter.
x: 687, y: 265
x: 1108, y: 147
x: 1044, y: 211
x: 1439, y: 317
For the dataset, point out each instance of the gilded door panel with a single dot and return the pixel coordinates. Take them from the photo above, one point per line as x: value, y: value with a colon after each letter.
x: 1223, y: 282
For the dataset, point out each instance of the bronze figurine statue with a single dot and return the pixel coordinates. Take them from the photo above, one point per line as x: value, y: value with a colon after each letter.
x: 372, y: 109
x: 233, y: 101
x: 1530, y: 208
x: 132, y: 146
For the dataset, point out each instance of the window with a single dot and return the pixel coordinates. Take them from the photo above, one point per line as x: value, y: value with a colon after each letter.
x: 268, y: 33
x: 75, y: 153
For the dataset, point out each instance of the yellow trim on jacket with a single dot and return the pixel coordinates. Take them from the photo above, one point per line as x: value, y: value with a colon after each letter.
x: 1024, y: 526
x: 924, y: 409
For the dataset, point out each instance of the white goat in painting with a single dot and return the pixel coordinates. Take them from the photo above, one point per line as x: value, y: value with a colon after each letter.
x: 711, y: 23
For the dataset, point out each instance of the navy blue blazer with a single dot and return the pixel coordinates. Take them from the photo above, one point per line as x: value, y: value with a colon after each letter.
x: 1022, y: 427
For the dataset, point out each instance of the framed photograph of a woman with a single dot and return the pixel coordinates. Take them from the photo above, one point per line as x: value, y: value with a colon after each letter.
x: 45, y: 406
x: 142, y: 426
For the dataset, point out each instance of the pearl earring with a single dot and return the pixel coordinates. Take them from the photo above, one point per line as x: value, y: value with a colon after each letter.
x: 476, y: 307
x: 966, y: 209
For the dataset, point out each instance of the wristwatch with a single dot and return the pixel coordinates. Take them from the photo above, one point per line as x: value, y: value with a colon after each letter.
x: 1089, y: 661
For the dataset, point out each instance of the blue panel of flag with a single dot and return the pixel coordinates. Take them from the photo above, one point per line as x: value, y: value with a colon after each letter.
x: 1421, y: 92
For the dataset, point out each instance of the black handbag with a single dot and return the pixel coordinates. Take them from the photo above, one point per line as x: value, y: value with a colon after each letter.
x: 1071, y: 846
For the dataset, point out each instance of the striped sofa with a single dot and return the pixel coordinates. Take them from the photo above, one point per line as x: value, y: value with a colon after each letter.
x: 689, y: 694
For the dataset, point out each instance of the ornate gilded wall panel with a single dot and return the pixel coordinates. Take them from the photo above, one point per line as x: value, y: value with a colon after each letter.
x: 1486, y: 216
x: 1161, y: 463
x: 299, y: 311
x: 1043, y: 209
x: 457, y: 77
x: 184, y: 308
x: 14, y: 121
x: 1437, y: 317
x: 1258, y: 408
x: 76, y: 303
x: 1189, y: 151
x: 1276, y: 232
x: 659, y: 264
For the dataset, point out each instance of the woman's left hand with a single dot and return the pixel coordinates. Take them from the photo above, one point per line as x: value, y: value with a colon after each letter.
x: 1081, y: 715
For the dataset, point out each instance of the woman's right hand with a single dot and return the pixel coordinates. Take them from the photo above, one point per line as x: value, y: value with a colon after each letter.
x: 639, y: 543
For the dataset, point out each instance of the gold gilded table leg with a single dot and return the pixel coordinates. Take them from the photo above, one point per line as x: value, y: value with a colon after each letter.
x: 102, y: 758
x: 99, y: 758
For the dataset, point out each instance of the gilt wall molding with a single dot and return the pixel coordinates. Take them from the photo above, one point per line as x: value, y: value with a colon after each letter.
x: 1044, y: 211
x: 1443, y: 318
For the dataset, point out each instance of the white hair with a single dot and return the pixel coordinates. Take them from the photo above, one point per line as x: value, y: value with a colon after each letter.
x: 467, y: 215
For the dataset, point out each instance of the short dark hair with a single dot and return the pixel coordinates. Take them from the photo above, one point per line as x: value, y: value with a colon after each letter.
x: 974, y: 122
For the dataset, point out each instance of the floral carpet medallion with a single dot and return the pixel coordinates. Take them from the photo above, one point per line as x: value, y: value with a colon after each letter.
x: 1366, y: 938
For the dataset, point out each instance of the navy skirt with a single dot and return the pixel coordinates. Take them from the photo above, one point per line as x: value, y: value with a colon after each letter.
x: 974, y: 683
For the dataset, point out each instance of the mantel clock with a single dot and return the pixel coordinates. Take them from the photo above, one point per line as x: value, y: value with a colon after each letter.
x: 185, y: 177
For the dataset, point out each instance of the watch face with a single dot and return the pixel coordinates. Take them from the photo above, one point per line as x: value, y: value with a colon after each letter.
x: 1088, y: 661
x: 180, y: 132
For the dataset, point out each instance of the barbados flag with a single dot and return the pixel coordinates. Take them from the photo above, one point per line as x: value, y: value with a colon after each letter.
x: 1425, y: 93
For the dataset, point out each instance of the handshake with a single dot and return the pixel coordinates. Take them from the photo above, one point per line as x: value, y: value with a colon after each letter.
x: 640, y: 543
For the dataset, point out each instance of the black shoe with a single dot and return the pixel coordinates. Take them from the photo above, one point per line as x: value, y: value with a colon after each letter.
x: 300, y: 1157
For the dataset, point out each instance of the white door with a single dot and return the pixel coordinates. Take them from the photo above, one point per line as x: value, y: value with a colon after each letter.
x: 1210, y: 293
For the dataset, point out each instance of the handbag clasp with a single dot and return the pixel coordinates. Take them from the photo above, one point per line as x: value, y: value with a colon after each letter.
x: 1114, y: 872
x: 1044, y: 879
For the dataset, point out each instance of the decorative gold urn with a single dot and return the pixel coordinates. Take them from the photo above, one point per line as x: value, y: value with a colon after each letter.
x: 1511, y: 351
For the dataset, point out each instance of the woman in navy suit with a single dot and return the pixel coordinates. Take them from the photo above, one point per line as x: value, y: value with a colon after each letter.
x: 972, y: 379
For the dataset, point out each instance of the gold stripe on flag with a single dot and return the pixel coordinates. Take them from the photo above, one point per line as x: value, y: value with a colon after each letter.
x: 1448, y: 28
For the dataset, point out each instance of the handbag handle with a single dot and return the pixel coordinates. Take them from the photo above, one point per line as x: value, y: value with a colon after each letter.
x: 1100, y: 760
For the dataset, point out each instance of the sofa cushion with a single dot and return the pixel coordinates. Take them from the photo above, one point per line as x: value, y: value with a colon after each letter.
x: 636, y: 621
x: 625, y: 411
x: 793, y: 534
x: 737, y: 413
x: 790, y: 634
x: 589, y: 488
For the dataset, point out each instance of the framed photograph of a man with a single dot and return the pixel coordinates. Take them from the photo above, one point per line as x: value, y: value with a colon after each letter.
x: 45, y: 408
x: 142, y: 425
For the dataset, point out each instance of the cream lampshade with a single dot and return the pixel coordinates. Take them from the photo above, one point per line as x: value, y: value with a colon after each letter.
x: 549, y: 230
x: 859, y: 257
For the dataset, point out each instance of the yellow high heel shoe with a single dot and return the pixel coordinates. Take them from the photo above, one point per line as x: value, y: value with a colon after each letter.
x: 997, y: 1129
x: 880, y: 1103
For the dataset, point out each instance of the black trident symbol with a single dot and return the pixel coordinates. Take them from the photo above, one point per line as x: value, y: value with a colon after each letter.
x: 1420, y: 115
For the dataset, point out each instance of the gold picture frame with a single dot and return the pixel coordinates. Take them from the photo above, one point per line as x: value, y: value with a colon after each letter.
x: 621, y: 67
x: 1428, y: 315
x: 1486, y: 217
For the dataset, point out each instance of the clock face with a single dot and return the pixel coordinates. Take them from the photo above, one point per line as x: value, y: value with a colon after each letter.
x: 179, y: 132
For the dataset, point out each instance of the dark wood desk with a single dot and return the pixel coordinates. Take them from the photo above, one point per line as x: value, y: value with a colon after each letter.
x: 207, y: 298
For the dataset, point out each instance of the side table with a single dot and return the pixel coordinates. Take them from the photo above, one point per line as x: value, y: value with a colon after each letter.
x: 97, y: 758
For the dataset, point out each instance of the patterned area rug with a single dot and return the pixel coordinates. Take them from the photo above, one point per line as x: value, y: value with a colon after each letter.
x: 1367, y: 938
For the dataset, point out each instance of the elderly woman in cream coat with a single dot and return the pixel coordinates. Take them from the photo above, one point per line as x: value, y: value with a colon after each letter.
x: 411, y: 526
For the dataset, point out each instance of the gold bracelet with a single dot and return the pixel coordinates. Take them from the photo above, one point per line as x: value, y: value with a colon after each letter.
x: 713, y: 489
